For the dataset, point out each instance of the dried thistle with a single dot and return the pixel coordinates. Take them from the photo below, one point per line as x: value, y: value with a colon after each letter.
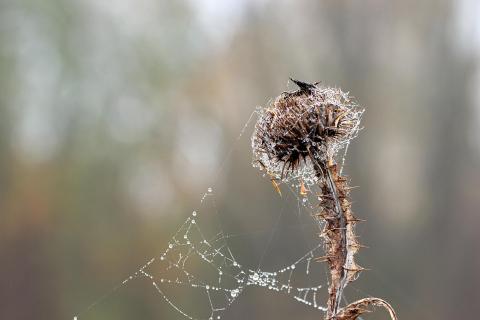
x: 297, y: 138
x: 303, y: 129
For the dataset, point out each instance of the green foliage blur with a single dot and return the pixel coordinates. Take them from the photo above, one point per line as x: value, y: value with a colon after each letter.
x: 116, y: 116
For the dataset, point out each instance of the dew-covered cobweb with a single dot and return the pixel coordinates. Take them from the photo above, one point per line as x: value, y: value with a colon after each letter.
x: 200, y: 274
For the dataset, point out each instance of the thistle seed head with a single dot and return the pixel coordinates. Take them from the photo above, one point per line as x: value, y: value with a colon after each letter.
x: 301, y: 128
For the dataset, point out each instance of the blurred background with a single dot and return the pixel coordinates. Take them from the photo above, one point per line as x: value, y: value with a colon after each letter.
x: 115, y: 118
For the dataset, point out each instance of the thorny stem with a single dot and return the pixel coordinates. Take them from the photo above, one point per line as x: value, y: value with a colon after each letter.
x: 342, y: 228
x: 341, y: 243
x: 335, y: 233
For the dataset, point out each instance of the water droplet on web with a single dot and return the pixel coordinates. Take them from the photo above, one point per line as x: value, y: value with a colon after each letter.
x: 217, y: 254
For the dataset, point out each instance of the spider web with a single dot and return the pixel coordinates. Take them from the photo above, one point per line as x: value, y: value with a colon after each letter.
x: 198, y: 263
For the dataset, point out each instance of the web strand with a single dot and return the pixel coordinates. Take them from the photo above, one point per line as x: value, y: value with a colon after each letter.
x: 225, y: 279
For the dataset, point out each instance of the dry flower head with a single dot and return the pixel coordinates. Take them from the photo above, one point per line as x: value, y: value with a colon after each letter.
x: 303, y: 127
